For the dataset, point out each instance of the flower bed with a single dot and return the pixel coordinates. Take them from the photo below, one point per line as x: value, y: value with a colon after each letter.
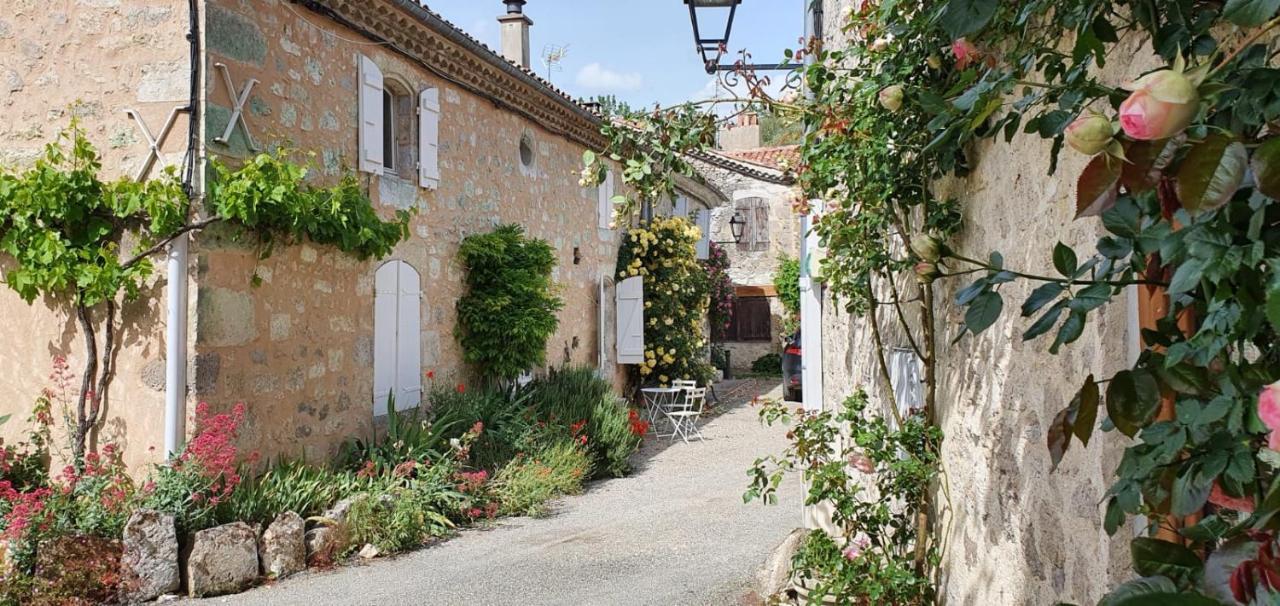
x: 468, y: 458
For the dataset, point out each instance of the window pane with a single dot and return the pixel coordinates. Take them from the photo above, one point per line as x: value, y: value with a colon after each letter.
x: 388, y: 131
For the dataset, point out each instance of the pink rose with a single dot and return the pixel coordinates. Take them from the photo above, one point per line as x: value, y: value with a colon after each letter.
x: 965, y: 52
x: 1162, y: 105
x: 1089, y: 134
x: 856, y: 546
x: 862, y: 463
x: 1269, y: 412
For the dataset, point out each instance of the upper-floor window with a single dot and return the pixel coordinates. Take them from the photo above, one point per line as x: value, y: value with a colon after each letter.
x: 388, y: 141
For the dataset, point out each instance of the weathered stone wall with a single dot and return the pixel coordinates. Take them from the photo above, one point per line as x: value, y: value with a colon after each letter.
x: 753, y: 267
x: 91, y: 59
x: 1014, y: 533
x: 298, y: 348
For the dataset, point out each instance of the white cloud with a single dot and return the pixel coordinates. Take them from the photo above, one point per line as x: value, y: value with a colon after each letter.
x: 597, y: 77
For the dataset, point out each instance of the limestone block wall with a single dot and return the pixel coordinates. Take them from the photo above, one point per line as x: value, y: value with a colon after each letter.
x: 753, y: 268
x: 1014, y: 532
x: 298, y: 348
x: 92, y: 60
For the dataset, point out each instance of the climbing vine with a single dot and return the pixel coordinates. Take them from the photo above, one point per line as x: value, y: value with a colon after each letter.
x: 88, y: 244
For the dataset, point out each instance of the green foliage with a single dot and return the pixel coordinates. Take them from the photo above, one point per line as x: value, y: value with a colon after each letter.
x: 404, y: 510
x: 510, y: 308
x: 526, y: 484
x: 497, y: 417
x: 577, y: 396
x: 409, y: 437
x: 786, y: 279
x: 770, y: 364
x: 780, y: 128
x: 270, y: 196
x: 872, y: 558
x: 289, y: 485
x: 653, y: 147
x: 664, y: 252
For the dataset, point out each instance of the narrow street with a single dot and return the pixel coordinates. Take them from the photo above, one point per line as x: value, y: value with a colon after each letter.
x: 674, y: 532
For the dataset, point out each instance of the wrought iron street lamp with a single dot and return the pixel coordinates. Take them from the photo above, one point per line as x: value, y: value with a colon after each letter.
x: 737, y: 225
x: 705, y: 13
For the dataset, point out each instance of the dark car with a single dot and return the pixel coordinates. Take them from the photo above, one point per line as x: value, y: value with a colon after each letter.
x: 791, y: 368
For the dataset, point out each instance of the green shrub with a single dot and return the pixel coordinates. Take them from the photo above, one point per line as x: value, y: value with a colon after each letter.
x: 509, y: 310
x: 786, y: 279
x: 405, y: 508
x: 288, y: 486
x: 770, y: 363
x: 526, y: 484
x: 501, y: 416
x: 410, y: 437
x: 575, y: 395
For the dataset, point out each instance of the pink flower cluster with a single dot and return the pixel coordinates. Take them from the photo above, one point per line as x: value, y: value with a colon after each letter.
x: 26, y: 509
x: 472, y: 481
x: 213, y: 451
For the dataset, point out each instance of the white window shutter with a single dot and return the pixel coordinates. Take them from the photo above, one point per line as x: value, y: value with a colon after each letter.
x: 370, y: 111
x: 604, y: 202
x: 385, y: 306
x: 408, y: 339
x: 630, y: 318
x: 429, y: 138
x: 681, y: 208
x: 704, y: 225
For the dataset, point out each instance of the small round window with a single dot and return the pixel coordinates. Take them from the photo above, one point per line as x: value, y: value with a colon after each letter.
x: 526, y: 151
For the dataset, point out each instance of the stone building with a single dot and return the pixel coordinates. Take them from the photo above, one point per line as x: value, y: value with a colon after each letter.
x: 1014, y: 533
x: 424, y: 115
x: 759, y: 192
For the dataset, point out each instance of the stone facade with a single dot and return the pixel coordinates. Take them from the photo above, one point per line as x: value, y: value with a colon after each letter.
x: 1014, y: 532
x: 753, y: 267
x: 92, y: 60
x: 297, y: 348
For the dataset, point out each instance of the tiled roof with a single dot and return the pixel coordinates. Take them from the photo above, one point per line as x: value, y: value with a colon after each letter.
x: 546, y: 85
x: 777, y: 158
x: 750, y: 169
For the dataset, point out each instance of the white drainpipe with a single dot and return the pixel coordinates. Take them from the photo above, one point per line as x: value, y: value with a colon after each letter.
x: 175, y: 375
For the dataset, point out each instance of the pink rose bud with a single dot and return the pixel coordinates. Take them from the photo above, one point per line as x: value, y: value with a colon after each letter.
x: 1162, y: 105
x: 891, y: 97
x: 965, y: 52
x: 1089, y: 134
x: 928, y: 248
x: 926, y: 272
x: 1269, y: 412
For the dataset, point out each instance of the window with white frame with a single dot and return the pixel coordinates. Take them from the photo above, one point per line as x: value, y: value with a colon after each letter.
x: 388, y: 141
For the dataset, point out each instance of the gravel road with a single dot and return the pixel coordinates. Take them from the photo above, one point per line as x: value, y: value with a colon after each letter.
x: 674, y: 532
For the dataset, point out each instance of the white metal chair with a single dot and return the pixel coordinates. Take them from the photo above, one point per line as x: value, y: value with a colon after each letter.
x: 684, y: 420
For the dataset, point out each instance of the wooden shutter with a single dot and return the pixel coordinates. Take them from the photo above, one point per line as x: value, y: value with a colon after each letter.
x: 703, y: 220
x: 761, y: 226
x: 429, y: 138
x: 751, y: 321
x: 386, y: 302
x: 408, y: 339
x: 397, y: 337
x: 604, y: 201
x: 681, y: 208
x: 630, y: 320
x: 370, y: 110
x: 746, y: 209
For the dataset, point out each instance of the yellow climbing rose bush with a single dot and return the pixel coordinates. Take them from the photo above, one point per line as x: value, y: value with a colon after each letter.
x: 676, y: 293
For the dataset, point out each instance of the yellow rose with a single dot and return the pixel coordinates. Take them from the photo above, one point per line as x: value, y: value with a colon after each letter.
x: 663, y: 378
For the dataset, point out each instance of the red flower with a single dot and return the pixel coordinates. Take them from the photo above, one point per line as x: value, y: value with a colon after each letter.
x: 368, y: 471
x: 462, y: 388
x: 431, y: 374
x: 577, y: 427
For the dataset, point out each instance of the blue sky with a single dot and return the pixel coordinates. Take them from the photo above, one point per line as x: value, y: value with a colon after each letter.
x: 642, y: 51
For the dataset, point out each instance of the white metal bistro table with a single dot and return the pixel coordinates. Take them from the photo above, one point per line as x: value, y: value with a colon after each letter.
x: 657, y: 400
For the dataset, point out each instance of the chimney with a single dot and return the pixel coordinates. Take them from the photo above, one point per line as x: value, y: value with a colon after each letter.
x: 515, y: 33
x: 744, y: 134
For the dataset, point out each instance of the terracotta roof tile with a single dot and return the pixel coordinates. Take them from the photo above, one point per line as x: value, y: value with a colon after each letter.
x: 776, y: 158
